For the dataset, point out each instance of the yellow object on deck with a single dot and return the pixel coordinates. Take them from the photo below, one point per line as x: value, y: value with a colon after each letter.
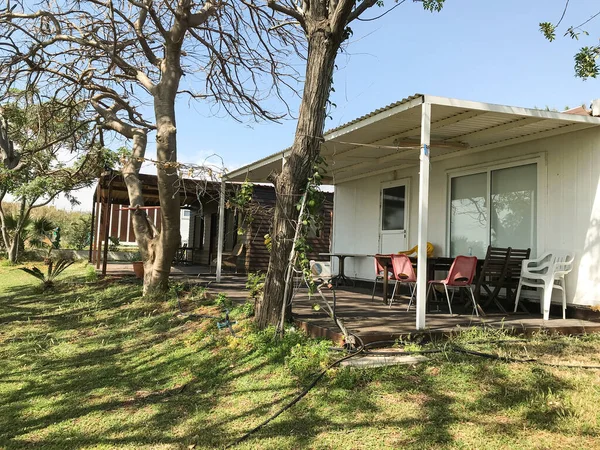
x: 416, y: 247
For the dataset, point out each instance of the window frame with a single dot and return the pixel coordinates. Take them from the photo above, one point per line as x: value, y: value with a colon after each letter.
x: 541, y: 164
x: 391, y: 184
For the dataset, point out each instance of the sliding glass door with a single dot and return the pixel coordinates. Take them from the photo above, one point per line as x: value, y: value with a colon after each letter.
x: 497, y: 207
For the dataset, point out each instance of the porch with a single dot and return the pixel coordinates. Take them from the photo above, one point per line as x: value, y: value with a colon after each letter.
x: 462, y: 176
x: 372, y: 320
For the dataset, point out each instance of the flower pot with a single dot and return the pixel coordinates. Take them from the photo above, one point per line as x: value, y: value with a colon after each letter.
x: 138, y: 269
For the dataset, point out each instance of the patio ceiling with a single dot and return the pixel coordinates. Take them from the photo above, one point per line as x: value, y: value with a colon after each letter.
x: 389, y: 138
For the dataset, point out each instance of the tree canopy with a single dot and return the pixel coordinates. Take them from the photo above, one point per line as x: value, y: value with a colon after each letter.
x: 586, y: 59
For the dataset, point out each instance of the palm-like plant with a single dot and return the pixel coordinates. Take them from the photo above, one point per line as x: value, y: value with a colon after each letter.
x: 38, y: 231
x: 54, y: 270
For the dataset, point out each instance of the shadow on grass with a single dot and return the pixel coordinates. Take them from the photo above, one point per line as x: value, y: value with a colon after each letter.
x: 95, y: 366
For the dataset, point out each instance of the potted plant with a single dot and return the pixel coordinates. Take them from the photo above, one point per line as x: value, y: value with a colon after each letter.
x: 138, y: 265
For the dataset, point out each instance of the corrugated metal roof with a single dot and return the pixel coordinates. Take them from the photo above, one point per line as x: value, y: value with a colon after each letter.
x: 463, y: 124
x: 374, y: 113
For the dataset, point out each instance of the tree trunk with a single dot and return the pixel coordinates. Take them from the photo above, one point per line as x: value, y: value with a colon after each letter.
x: 143, y: 228
x: 13, y: 249
x: 169, y: 238
x: 14, y: 246
x: 299, y: 166
x: 158, y: 248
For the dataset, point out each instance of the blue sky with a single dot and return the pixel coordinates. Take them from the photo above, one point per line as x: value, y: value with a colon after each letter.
x: 490, y: 51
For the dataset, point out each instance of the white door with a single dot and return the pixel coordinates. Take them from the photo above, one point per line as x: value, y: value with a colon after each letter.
x: 393, y: 217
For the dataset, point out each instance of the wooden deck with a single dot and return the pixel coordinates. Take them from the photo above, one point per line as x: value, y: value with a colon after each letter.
x: 126, y: 269
x: 374, y: 321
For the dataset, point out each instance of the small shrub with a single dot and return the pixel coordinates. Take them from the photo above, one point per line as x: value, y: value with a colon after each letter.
x: 223, y: 302
x: 198, y: 292
x: 114, y: 243
x: 91, y: 275
x: 54, y: 270
x: 255, y: 285
x: 248, y: 309
x: 78, y: 232
x: 245, y: 310
x: 175, y: 289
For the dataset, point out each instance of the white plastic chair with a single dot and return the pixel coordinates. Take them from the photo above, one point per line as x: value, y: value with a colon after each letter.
x: 546, y: 272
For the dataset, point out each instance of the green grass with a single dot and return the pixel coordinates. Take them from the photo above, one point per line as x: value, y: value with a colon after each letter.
x: 92, y: 365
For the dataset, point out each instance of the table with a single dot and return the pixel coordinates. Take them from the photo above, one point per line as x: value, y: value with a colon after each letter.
x: 184, y: 255
x: 341, y: 258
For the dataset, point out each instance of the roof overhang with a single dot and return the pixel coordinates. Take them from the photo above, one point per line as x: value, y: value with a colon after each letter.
x: 191, y: 192
x: 387, y: 139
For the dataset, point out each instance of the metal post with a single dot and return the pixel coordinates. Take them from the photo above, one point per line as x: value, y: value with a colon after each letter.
x: 423, y: 215
x: 221, y: 235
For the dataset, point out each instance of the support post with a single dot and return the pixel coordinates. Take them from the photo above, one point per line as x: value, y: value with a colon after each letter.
x: 423, y: 215
x: 221, y: 234
x: 99, y: 218
x: 108, y: 206
x: 92, y: 227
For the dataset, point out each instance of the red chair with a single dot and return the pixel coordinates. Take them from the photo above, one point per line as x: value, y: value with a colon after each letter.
x: 460, y: 276
x: 379, y: 272
x: 403, y: 273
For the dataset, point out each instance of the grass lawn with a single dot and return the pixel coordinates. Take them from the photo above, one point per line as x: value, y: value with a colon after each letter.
x: 92, y: 365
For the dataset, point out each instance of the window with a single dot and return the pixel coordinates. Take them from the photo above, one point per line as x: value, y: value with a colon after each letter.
x: 392, y: 213
x: 186, y: 213
x: 497, y: 207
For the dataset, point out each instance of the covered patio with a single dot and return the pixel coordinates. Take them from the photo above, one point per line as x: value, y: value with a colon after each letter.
x: 401, y: 143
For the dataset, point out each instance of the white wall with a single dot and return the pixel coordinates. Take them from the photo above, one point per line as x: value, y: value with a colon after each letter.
x: 568, y: 206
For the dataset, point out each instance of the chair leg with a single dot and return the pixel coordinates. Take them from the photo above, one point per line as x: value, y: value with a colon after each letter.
x: 393, y: 293
x: 374, y: 287
x: 547, y: 300
x: 564, y: 298
x: 474, y: 302
x: 427, y: 296
x: 413, y: 288
x: 448, y: 298
x: 518, y: 295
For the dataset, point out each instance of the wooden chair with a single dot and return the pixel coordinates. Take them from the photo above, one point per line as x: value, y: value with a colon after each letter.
x: 513, y: 272
x: 493, y: 274
x: 230, y: 259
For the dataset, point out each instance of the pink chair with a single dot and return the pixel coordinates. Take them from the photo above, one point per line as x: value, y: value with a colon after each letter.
x: 460, y: 276
x: 379, y: 272
x: 403, y: 273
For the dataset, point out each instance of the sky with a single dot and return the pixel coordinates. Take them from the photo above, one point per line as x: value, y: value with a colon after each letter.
x: 482, y: 50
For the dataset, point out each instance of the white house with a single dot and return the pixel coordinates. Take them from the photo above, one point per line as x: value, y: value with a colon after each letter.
x: 463, y: 175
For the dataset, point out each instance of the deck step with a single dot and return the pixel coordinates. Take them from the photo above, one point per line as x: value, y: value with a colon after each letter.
x: 380, y: 361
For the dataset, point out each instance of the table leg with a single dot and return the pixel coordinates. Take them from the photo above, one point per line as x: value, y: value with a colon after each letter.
x: 341, y: 275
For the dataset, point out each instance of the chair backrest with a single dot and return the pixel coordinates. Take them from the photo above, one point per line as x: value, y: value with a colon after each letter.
x: 562, y: 261
x: 237, y: 249
x: 403, y: 268
x: 320, y: 269
x: 378, y: 268
x: 495, y: 261
x: 462, y: 271
x: 514, y: 264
